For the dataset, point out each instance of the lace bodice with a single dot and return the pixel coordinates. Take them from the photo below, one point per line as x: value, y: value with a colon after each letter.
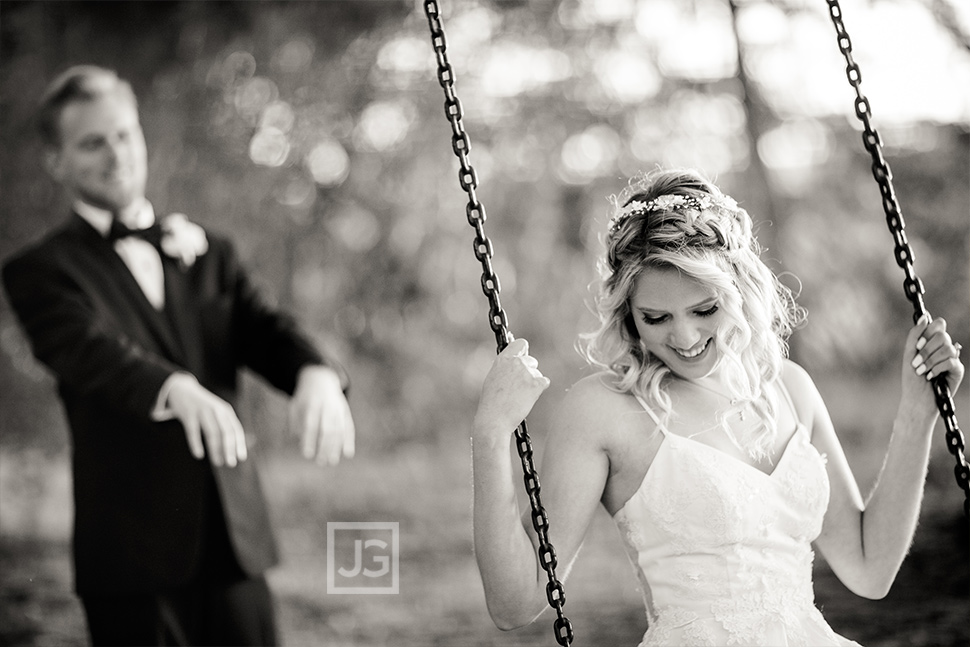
x: 723, y: 550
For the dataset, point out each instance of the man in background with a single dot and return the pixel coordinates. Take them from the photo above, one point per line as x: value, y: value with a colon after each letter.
x: 145, y: 323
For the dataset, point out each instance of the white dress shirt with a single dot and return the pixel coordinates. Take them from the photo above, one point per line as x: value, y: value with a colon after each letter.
x: 140, y: 256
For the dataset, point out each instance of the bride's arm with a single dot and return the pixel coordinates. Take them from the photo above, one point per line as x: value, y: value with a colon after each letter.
x: 573, y: 474
x: 866, y: 540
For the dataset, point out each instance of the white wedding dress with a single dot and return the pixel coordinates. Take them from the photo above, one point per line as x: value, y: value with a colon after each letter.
x: 723, y: 550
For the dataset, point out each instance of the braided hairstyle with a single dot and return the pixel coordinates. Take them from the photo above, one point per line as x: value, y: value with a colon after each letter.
x: 677, y: 219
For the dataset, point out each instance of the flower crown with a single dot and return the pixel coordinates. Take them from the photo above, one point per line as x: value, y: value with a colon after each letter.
x: 670, y: 202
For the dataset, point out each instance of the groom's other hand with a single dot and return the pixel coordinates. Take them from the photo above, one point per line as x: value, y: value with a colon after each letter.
x: 320, y: 414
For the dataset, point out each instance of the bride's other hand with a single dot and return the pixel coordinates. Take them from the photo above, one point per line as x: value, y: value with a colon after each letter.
x: 932, y: 353
x: 511, y: 389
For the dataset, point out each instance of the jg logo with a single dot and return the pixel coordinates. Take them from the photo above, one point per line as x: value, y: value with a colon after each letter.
x: 362, y: 557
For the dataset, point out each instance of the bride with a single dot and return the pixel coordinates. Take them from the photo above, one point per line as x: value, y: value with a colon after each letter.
x: 713, y: 453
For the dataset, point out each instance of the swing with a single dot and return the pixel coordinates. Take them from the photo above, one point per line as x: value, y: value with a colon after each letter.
x: 904, y: 255
x: 498, y: 320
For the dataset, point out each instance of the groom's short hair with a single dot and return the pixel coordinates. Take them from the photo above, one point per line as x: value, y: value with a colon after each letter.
x: 79, y: 83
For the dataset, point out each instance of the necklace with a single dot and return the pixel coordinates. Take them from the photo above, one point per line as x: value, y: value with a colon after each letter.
x: 735, y: 402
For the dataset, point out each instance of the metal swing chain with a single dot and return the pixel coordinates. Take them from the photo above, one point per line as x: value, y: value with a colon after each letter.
x: 498, y: 320
x: 904, y: 255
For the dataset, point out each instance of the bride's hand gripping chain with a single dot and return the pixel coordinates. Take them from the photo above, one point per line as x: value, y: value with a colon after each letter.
x: 930, y: 352
x: 511, y: 389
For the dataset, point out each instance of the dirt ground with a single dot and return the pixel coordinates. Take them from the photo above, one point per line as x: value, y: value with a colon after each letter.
x: 440, y: 601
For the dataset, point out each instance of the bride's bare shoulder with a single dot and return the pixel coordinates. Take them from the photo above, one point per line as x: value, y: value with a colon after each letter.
x: 595, y: 401
x: 595, y: 389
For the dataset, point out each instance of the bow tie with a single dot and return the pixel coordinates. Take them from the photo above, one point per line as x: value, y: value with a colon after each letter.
x: 151, y: 234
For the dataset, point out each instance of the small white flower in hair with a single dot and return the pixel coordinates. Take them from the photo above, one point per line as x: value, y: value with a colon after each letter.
x: 182, y: 239
x: 672, y: 201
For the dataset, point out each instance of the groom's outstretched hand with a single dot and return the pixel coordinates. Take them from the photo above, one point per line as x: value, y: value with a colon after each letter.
x: 320, y: 414
x: 204, y: 415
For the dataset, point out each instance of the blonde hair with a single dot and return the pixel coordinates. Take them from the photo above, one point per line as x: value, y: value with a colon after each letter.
x: 677, y: 219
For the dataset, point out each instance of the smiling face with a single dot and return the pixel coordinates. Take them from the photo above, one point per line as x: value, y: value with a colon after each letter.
x: 677, y: 318
x: 102, y: 157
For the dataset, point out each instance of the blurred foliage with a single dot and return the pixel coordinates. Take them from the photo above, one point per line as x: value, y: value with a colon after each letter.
x: 313, y: 133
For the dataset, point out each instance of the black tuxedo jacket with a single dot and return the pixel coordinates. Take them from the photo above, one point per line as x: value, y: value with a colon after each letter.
x: 144, y: 507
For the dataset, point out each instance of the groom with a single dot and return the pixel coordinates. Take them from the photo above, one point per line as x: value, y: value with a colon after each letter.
x: 145, y: 322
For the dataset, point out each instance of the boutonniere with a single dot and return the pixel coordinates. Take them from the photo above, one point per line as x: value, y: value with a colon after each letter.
x: 183, y: 240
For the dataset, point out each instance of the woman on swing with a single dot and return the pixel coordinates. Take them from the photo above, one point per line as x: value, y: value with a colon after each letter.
x: 714, y: 454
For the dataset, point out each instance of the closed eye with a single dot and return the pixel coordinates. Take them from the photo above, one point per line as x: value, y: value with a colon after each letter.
x: 652, y: 321
x: 659, y: 319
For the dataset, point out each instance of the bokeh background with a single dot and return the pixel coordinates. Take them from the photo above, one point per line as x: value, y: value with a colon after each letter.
x: 314, y: 134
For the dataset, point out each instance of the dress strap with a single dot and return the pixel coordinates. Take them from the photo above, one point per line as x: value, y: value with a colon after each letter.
x: 650, y: 412
x: 791, y: 403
